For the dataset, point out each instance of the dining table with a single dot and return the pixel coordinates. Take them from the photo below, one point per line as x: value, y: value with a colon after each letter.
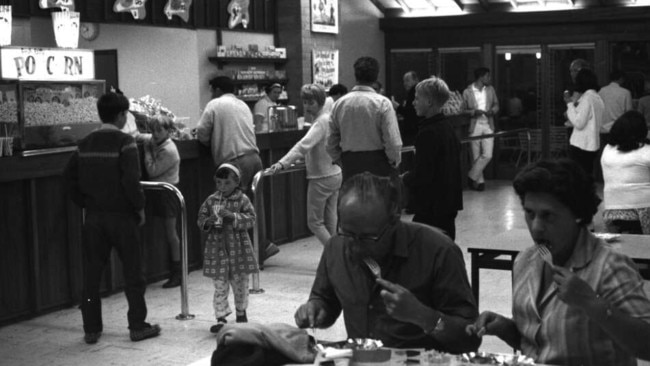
x: 499, y: 252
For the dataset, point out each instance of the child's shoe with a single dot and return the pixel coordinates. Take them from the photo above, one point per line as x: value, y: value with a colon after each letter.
x: 242, y: 318
x: 217, y: 327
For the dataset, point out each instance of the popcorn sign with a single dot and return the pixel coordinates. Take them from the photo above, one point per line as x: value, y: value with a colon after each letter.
x: 46, y: 64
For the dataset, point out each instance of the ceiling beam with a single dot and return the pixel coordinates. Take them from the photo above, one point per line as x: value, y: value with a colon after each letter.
x: 404, y: 6
x: 432, y: 5
x: 379, y: 5
x: 460, y: 4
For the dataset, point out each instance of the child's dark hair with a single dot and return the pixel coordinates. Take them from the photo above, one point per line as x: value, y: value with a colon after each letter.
x: 225, y: 172
x: 110, y: 105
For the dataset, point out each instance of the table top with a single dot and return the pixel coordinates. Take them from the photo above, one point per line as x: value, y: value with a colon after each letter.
x: 516, y: 240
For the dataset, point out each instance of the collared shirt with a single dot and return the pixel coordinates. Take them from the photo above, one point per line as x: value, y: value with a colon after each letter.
x: 553, y: 332
x: 424, y: 261
x: 312, y: 146
x: 227, y: 126
x: 481, y: 102
x: 363, y: 120
x: 586, y: 119
x: 617, y: 100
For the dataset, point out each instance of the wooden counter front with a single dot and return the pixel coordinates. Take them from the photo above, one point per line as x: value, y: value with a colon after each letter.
x: 40, y: 228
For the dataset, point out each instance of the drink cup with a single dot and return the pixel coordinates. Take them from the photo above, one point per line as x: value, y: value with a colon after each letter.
x: 215, y: 210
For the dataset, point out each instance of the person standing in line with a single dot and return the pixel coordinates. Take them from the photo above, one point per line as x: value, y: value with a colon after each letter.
x: 103, y: 177
x: 481, y: 104
x: 226, y: 216
x: 261, y: 109
x: 226, y: 125
x: 408, y: 124
x: 335, y: 93
x: 644, y: 103
x: 435, y: 181
x: 162, y: 162
x: 364, y: 135
x: 323, y: 176
x: 585, y: 115
x: 616, y: 99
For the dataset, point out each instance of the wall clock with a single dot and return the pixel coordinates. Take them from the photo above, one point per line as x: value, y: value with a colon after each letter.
x: 89, y: 31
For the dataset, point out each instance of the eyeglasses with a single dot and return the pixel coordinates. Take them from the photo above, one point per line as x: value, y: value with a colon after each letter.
x: 364, y: 237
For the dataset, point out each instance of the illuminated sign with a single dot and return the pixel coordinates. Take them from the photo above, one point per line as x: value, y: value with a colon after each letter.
x: 24, y: 63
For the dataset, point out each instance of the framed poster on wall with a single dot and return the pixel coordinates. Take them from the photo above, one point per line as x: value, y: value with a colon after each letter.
x: 325, y: 67
x: 325, y: 16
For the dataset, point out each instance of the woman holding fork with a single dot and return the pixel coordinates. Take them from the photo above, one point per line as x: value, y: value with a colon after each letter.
x: 585, y: 304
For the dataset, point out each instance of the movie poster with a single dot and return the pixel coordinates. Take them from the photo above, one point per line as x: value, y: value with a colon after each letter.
x: 325, y: 16
x: 325, y: 67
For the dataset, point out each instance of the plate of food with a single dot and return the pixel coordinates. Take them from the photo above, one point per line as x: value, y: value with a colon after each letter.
x: 487, y: 358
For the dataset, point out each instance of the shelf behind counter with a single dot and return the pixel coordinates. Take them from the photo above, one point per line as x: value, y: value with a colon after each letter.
x: 40, y: 229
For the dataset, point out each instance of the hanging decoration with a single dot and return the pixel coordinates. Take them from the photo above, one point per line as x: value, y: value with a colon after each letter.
x: 136, y: 7
x: 238, y: 10
x: 65, y: 5
x: 180, y: 8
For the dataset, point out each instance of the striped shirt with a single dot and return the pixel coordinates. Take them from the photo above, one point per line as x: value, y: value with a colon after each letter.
x: 553, y: 332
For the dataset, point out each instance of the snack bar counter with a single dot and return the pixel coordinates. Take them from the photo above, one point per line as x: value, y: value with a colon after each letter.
x: 40, y: 229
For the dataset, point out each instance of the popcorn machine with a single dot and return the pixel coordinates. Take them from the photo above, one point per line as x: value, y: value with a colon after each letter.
x: 48, y: 98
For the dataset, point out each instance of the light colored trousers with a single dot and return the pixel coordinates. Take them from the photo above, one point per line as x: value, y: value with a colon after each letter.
x: 322, y: 194
x: 239, y: 285
x: 481, y: 151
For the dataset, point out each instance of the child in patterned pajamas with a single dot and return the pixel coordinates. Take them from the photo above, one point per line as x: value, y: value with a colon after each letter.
x: 226, y: 216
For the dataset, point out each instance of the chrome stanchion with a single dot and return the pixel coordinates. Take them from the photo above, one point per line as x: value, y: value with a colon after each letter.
x: 185, y: 312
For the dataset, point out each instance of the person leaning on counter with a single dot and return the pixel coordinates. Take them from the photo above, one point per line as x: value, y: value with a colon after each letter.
x: 261, y: 109
x: 421, y: 297
x: 585, y: 307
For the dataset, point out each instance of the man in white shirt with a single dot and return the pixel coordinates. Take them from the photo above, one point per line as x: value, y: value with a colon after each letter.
x: 481, y: 104
x: 617, y: 99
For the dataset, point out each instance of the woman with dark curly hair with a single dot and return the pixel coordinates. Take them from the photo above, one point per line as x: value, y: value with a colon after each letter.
x: 586, y: 308
x: 626, y: 173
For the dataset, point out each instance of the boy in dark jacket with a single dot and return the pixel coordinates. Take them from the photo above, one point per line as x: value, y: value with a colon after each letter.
x: 103, y: 176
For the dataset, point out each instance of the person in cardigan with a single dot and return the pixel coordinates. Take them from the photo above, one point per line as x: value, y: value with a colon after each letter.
x: 162, y: 163
x: 226, y: 216
x: 585, y: 115
x: 626, y: 173
x: 435, y: 181
x: 226, y: 125
x: 422, y: 298
x: 589, y: 306
x: 103, y: 177
x: 323, y: 176
x: 481, y: 104
x: 364, y: 135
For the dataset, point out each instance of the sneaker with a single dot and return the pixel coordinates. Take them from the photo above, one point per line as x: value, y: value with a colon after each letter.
x: 242, y: 318
x: 217, y: 327
x: 92, y: 338
x: 271, y: 250
x: 149, y: 331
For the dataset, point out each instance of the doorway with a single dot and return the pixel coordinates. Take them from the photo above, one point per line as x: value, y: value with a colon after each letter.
x: 106, y: 68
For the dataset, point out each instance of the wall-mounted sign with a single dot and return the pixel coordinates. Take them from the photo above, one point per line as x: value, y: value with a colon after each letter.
x: 24, y: 63
x: 325, y: 67
x: 325, y: 16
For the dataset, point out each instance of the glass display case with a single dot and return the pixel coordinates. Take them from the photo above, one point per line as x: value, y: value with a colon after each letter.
x: 48, y: 114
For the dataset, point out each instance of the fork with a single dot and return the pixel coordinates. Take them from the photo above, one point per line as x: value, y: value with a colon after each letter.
x: 373, y: 266
x: 546, y: 255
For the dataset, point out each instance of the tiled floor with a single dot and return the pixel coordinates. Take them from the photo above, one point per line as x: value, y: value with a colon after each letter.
x: 57, y: 338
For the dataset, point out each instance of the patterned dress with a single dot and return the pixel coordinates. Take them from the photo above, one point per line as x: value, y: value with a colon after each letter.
x: 228, y: 250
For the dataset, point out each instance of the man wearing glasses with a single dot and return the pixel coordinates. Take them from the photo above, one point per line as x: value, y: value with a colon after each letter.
x: 419, y: 298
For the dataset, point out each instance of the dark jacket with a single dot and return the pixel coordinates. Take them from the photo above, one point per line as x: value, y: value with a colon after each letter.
x: 408, y: 125
x: 104, y: 173
x: 435, y: 181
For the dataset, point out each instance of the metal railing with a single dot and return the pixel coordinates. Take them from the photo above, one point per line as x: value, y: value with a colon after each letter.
x: 501, y: 134
x: 185, y: 312
x: 256, y: 233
